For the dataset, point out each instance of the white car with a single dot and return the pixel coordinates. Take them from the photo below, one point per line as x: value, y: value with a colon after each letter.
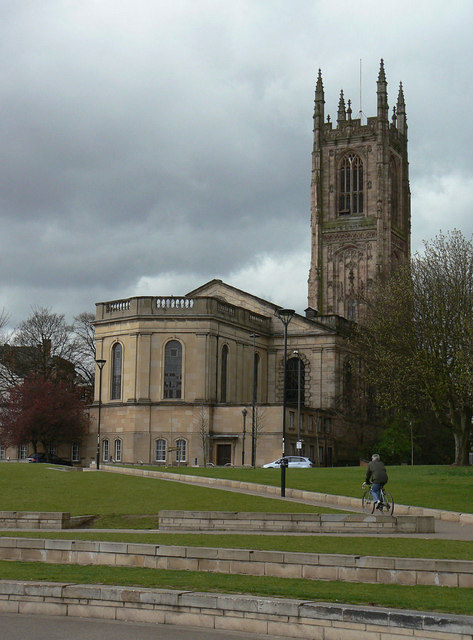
x: 297, y: 462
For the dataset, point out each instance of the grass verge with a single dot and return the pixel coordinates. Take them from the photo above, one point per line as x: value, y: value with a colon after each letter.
x: 436, y: 487
x: 423, y: 598
x: 360, y: 546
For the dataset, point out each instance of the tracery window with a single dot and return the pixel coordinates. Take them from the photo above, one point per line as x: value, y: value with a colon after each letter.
x: 117, y: 352
x: 173, y: 369
x: 394, y: 192
x: 351, y: 185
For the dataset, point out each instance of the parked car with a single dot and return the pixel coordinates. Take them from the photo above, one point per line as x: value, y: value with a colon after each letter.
x: 49, y: 459
x: 292, y: 461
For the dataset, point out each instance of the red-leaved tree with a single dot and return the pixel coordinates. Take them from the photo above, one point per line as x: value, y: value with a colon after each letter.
x: 44, y: 411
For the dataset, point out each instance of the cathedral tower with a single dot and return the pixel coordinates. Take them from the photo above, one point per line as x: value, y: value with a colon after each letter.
x: 360, y: 201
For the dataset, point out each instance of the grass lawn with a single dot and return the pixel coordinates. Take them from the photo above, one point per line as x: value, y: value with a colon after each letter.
x: 438, y: 487
x: 360, y: 546
x: 445, y: 599
x: 39, y: 487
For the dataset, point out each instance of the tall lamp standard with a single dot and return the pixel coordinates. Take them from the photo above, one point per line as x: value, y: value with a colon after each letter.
x: 100, y: 364
x: 285, y: 315
x: 244, y: 412
x: 253, y: 403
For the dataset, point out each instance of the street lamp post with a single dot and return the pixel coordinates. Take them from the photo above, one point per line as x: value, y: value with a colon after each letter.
x: 299, y: 442
x: 244, y: 412
x: 253, y: 404
x: 100, y: 364
x: 285, y: 315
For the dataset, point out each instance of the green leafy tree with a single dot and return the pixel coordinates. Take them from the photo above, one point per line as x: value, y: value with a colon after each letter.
x: 416, y: 338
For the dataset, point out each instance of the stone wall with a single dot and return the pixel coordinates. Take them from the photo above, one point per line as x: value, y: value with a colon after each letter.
x: 247, y: 614
x: 311, y: 566
x: 292, y: 522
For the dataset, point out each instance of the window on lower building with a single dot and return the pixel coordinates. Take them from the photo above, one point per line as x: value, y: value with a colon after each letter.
x: 105, y: 450
x: 117, y: 446
x: 2, y: 452
x: 75, y: 452
x: 292, y: 416
x: 160, y: 450
x: 310, y: 423
x: 181, y: 450
x: 22, y: 451
x: 52, y: 449
x: 173, y: 369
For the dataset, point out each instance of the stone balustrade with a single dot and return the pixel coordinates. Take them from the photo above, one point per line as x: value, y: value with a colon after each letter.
x: 232, y: 612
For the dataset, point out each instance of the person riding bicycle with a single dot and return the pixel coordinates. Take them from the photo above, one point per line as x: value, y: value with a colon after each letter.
x: 377, y: 477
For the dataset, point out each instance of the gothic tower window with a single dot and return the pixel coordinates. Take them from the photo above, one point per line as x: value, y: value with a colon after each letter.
x: 173, y: 369
x: 394, y: 192
x: 117, y: 353
x: 351, y: 185
x: 223, y: 374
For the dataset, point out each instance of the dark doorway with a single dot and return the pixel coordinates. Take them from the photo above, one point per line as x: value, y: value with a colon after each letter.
x: 224, y: 454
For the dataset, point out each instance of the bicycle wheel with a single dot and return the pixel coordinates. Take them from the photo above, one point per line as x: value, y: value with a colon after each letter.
x: 388, y: 503
x: 367, y: 502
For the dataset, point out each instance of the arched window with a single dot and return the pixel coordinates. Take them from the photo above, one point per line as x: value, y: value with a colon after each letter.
x: 117, y: 450
x: 351, y: 309
x: 295, y: 380
x: 350, y: 185
x: 394, y: 192
x: 223, y: 374
x: 105, y: 450
x: 255, y: 377
x: 160, y: 450
x: 173, y: 369
x: 117, y: 371
x: 181, y: 450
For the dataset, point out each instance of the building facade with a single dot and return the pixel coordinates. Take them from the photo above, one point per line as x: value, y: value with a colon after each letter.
x: 199, y: 379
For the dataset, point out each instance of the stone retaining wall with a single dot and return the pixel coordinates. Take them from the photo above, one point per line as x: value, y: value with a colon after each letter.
x: 49, y: 520
x: 292, y: 522
x: 312, y: 566
x: 332, y: 501
x: 247, y: 614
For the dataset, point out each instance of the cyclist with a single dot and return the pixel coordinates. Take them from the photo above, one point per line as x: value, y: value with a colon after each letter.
x: 377, y: 476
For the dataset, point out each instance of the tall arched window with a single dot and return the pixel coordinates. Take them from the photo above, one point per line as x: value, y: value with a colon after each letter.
x: 160, y: 450
x: 255, y: 377
x: 105, y: 450
x: 181, y: 450
x: 351, y: 185
x: 173, y: 369
x: 295, y: 380
x: 223, y: 374
x: 117, y: 450
x: 117, y: 371
x: 394, y: 192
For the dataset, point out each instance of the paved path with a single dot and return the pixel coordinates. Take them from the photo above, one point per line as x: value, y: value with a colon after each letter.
x: 16, y: 626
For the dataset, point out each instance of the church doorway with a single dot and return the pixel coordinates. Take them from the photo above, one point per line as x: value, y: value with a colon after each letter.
x: 224, y: 454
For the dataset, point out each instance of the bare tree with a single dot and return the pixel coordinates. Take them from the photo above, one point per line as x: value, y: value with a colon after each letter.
x: 201, y: 421
x: 84, y: 332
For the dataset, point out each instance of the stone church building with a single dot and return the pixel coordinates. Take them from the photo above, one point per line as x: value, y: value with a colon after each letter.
x: 199, y: 378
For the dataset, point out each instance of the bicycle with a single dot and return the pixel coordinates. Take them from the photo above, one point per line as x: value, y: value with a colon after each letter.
x: 386, y: 504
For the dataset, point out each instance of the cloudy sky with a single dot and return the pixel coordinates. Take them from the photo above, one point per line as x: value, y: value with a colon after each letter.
x: 147, y: 146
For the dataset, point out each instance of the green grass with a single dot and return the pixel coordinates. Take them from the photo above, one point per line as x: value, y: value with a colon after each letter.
x: 38, y: 487
x: 437, y: 487
x: 359, y: 546
x: 424, y: 598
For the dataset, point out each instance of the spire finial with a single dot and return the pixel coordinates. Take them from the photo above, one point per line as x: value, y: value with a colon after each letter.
x: 342, y: 114
x: 381, y: 75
